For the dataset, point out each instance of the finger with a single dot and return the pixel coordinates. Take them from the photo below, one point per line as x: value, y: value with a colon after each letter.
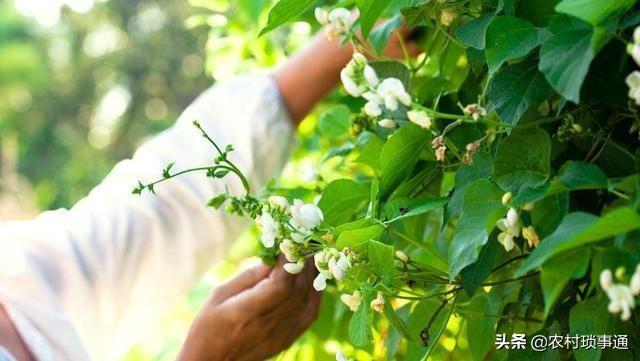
x: 267, y: 293
x: 241, y: 282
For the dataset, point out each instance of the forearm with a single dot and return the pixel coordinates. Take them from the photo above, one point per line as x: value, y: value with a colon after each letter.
x: 310, y: 75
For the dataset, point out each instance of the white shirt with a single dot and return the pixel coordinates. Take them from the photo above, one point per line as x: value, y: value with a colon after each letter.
x: 78, y: 283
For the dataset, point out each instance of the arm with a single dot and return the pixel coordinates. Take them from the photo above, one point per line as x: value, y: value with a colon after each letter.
x: 10, y: 339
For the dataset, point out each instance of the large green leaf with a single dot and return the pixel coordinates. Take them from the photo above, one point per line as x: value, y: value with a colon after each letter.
x: 400, y: 154
x: 381, y: 259
x: 523, y: 159
x: 380, y: 36
x: 285, y: 11
x: 419, y: 319
x: 510, y: 38
x: 341, y: 199
x: 549, y: 212
x: 473, y: 33
x: 370, y: 11
x: 590, y: 318
x: 579, y: 229
x: 594, y: 12
x: 481, y: 208
x: 565, y: 58
x: 481, y: 331
x: 516, y: 88
x: 558, y: 271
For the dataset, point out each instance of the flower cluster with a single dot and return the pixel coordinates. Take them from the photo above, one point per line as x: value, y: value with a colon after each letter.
x: 338, y: 21
x: 291, y: 225
x: 331, y: 264
x: 361, y: 80
x: 510, y: 226
x: 621, y: 296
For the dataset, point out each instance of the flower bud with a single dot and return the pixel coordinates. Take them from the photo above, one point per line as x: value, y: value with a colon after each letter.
x: 636, y: 35
x: 278, y: 202
x: 402, y: 256
x: 528, y: 206
x: 506, y: 198
x: 606, y: 279
x: 294, y: 268
x: 440, y: 153
x: 360, y: 59
x: 370, y: 76
x: 387, y: 123
x: 378, y: 303
x: 530, y: 234
x: 372, y: 109
x: 420, y: 118
x: 350, y: 85
x: 322, y: 16
x: 620, y: 272
x: 512, y: 217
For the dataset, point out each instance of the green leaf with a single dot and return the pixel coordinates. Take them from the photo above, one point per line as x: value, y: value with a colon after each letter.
x: 481, y: 208
x: 285, y: 11
x: 420, y: 316
x: 473, y: 275
x: 510, y: 38
x: 581, y: 175
x: 370, y: 153
x: 548, y: 213
x: 409, y: 207
x: 370, y: 11
x: 473, y: 33
x: 400, y: 154
x: 523, y: 159
x: 217, y: 201
x: 516, y: 88
x: 565, y: 59
x: 579, y: 229
x: 418, y: 15
x: 360, y: 326
x: 594, y: 12
x: 481, y: 168
x: 393, y: 69
x: 341, y: 200
x: 590, y: 318
x: 558, y: 271
x: 481, y: 331
x: 380, y: 36
x: 381, y: 259
x: 356, y: 238
x: 335, y: 122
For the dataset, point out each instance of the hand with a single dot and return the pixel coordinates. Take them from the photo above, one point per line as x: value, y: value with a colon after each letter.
x: 254, y: 316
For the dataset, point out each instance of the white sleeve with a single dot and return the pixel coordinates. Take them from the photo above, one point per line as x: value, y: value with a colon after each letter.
x: 95, y: 273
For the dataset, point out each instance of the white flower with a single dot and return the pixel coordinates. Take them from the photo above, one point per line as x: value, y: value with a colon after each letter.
x: 372, y: 109
x: 633, y: 82
x: 635, y: 280
x: 352, y: 301
x: 392, y: 90
x: 634, y: 51
x: 506, y: 198
x: 621, y: 301
x: 278, y: 202
x: 387, y: 123
x: 320, y: 282
x: 339, y: 267
x: 510, y: 227
x: 288, y: 249
x: 350, y: 85
x: 420, y: 118
x: 341, y: 357
x: 270, y: 229
x: 294, y: 268
x: 370, y: 76
x: 305, y: 216
x: 378, y: 303
x: 359, y: 59
x: 299, y: 237
x: 322, y: 16
x: 606, y: 279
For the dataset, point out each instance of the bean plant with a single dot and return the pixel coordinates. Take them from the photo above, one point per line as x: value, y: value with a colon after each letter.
x: 491, y: 182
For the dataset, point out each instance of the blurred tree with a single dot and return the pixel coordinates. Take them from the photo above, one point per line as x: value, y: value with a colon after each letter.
x: 80, y: 95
